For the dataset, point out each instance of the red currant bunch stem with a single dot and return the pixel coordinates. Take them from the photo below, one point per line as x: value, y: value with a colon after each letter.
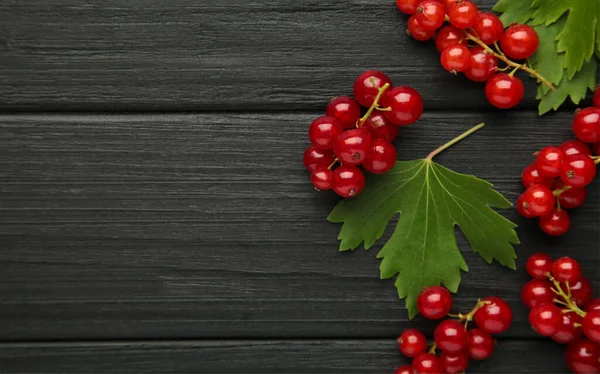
x: 566, y: 296
x: 469, y: 316
x: 374, y: 106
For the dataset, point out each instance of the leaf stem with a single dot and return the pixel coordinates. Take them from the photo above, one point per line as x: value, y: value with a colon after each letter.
x: 454, y: 141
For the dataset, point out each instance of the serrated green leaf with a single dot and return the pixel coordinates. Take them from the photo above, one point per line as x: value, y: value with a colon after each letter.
x: 546, y: 52
x: 431, y: 200
x: 514, y: 11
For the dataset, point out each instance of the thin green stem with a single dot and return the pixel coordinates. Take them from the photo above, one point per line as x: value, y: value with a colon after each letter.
x: 571, y: 306
x: 454, y: 141
x: 375, y: 104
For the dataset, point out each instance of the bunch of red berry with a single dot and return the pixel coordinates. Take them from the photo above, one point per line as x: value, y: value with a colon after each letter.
x: 465, y: 45
x: 558, y: 178
x: 345, y: 138
x: 457, y: 344
x: 561, y: 303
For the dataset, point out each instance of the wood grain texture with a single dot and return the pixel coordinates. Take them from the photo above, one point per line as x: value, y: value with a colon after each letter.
x: 185, y: 55
x: 264, y: 356
x: 206, y: 226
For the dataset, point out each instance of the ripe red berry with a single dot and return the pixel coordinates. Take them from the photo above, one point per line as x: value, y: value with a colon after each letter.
x: 404, y: 369
x: 481, y: 344
x: 324, y: 131
x: 434, y: 302
x: 408, y: 6
x: 494, y: 317
x: 463, y: 14
x: 482, y: 65
x: 572, y: 198
x: 556, y: 223
x: 427, y: 363
x: 322, y: 179
x: 537, y: 292
x: 381, y: 158
x: 353, y: 146
x: 574, y: 147
x: 348, y: 181
x: 593, y: 304
x: 545, y: 319
x: 412, y: 343
x: 345, y: 109
x: 596, y: 99
x: 449, y: 4
x: 406, y: 105
x: 488, y: 27
x: 581, y: 291
x: 315, y: 158
x: 590, y: 325
x: 582, y: 356
x: 548, y: 161
x: 577, y: 171
x: 519, y: 42
x: 450, y: 336
x: 538, y: 200
x: 430, y: 14
x: 453, y: 363
x: 380, y: 127
x: 538, y: 265
x: 448, y: 36
x: 566, y: 269
x: 417, y: 31
x: 531, y: 176
x: 367, y: 85
x: 504, y: 91
x: 456, y: 58
x: 523, y: 207
x: 567, y: 332
x: 586, y: 125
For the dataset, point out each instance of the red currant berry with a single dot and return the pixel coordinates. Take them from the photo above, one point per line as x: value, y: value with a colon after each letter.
x: 504, y: 91
x: 348, y: 181
x: 345, y: 109
x: 593, y: 304
x: 531, y: 176
x: 324, y: 131
x: 567, y: 332
x: 449, y: 4
x: 453, y: 363
x: 590, y: 325
x: 481, y: 344
x: 406, y: 105
x: 412, y: 343
x: 566, y: 269
x: 448, y: 36
x: 586, y: 125
x: 463, y: 14
x: 519, y: 42
x: 549, y: 160
x: 575, y: 147
x: 427, y: 363
x: 495, y: 316
x: 488, y: 27
x: 577, y: 170
x: 450, y: 336
x: 582, y: 356
x: 381, y: 158
x: 408, y: 6
x: 556, y: 223
x: 353, y: 146
x: 572, y: 198
x: 381, y: 128
x: 430, y: 14
x: 315, y: 158
x: 581, y: 291
x: 538, y: 265
x: 523, y: 207
x: 537, y: 292
x: 538, y: 200
x: 456, y: 58
x: 322, y: 179
x: 367, y: 85
x: 434, y: 302
x: 596, y: 99
x: 482, y: 65
x: 545, y: 319
x: 417, y: 31
x: 405, y: 369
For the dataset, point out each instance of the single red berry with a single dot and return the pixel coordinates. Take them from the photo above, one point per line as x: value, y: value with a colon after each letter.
x: 596, y: 99
x: 448, y: 36
x: 582, y: 356
x: 406, y: 105
x: 523, y: 207
x: 566, y: 269
x: 574, y: 147
x: 430, y: 14
x: 548, y: 161
x: 322, y: 179
x: 434, y: 302
x: 531, y: 176
x: 481, y: 344
x: 581, y: 291
x: 456, y: 58
x: 405, y: 369
x: 537, y: 292
x: 593, y: 304
x: 463, y: 14
x: 504, y: 91
x: 345, y: 109
x: 519, y: 42
x: 412, y: 343
x: 495, y: 316
x: 353, y: 146
x: 315, y: 158
x: 545, y: 319
x: 572, y: 198
x: 381, y: 158
x: 539, y: 200
x: 567, y: 332
x: 367, y: 85
x: 348, y: 181
x: 586, y: 125
x: 324, y: 131
x: 488, y: 27
x: 556, y: 223
x: 380, y: 127
x: 427, y: 363
x: 450, y: 336
x: 408, y: 6
x: 453, y: 363
x: 482, y: 65
x: 538, y: 265
x: 417, y: 31
x: 577, y: 171
x: 590, y: 325
x: 449, y: 4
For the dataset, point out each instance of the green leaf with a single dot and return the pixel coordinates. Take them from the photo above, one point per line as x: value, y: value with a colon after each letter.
x: 514, y: 11
x: 431, y: 200
x: 553, y: 72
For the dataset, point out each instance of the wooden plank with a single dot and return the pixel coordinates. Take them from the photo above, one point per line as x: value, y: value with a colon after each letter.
x: 148, y: 55
x: 197, y: 226
x: 265, y: 356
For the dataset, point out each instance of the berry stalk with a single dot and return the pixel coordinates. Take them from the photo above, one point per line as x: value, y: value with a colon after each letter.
x: 373, y: 106
x: 566, y: 296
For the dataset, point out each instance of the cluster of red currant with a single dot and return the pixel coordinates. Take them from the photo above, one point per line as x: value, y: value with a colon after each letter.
x: 556, y: 297
x: 558, y: 178
x: 345, y: 138
x: 478, y: 61
x: 457, y: 344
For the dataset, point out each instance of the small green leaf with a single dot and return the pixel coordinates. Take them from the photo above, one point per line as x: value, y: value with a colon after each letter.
x: 514, y: 11
x: 547, y: 52
x: 432, y: 200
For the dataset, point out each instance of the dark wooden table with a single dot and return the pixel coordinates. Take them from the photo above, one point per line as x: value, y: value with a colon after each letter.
x: 155, y: 214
